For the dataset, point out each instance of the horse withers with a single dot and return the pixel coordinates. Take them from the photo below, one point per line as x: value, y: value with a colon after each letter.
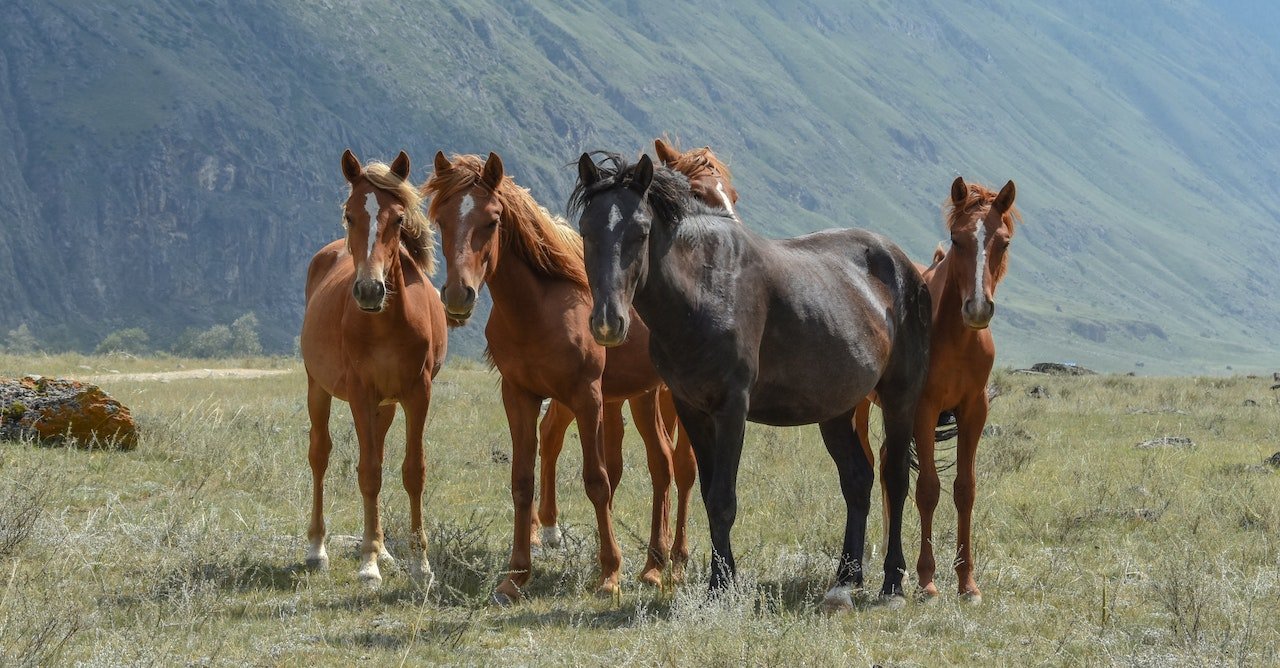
x: 787, y: 332
x: 373, y: 335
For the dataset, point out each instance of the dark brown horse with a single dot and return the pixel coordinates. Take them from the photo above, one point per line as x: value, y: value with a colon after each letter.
x: 787, y: 332
x: 495, y: 233
x: 373, y: 335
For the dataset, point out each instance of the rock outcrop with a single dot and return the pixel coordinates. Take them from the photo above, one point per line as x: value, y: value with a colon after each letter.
x: 57, y: 409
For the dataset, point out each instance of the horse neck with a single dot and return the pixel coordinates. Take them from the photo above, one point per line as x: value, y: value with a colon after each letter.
x: 665, y: 295
x: 397, y: 283
x: 513, y: 284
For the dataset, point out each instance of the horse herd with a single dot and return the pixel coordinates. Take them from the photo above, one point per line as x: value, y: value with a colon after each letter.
x: 665, y: 300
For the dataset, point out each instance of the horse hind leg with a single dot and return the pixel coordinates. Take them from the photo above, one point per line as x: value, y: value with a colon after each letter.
x: 319, y: 403
x: 414, y: 473
x: 657, y: 447
x: 372, y: 423
x: 856, y: 478
x: 545, y: 529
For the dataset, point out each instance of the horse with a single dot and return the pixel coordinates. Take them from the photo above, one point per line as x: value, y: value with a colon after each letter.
x: 962, y: 284
x: 373, y: 335
x: 494, y: 232
x: 712, y: 182
x: 786, y: 332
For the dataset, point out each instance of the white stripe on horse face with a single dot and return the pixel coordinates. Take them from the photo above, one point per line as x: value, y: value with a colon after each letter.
x: 371, y: 206
x: 465, y: 207
x: 982, y: 260
x: 615, y: 217
x: 728, y: 206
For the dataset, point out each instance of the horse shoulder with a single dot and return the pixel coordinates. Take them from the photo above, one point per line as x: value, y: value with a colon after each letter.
x: 322, y: 263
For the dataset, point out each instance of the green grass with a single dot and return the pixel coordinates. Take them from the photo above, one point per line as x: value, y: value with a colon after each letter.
x: 188, y: 550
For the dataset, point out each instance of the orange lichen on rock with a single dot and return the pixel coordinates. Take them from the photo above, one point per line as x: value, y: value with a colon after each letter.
x: 63, y: 409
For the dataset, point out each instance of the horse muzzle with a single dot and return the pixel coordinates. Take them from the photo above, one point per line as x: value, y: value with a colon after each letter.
x: 607, y: 329
x: 977, y: 313
x: 459, y: 301
x: 370, y: 295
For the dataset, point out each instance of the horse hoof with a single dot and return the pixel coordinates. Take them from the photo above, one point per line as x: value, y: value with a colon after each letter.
x: 369, y: 575
x: 550, y: 536
x: 837, y: 600
x: 608, y: 590
x: 422, y: 575
x: 317, y: 563
x: 501, y: 600
x: 972, y: 597
x: 385, y: 559
x: 893, y: 601
x: 652, y: 576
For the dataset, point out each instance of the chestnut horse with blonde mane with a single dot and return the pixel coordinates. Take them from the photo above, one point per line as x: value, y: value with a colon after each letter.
x: 711, y: 181
x: 373, y: 335
x: 962, y: 284
x: 494, y: 232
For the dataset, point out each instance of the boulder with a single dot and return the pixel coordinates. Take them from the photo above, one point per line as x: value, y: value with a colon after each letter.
x: 1056, y: 369
x: 62, y: 409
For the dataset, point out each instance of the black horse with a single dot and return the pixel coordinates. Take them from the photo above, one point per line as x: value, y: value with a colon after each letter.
x: 785, y: 332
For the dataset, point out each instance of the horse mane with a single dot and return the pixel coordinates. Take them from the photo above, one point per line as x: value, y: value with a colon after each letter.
x: 979, y: 196
x: 545, y: 242
x: 694, y: 162
x: 415, y: 233
x: 668, y: 196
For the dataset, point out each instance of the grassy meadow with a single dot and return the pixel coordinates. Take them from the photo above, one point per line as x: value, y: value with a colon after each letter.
x: 1090, y: 551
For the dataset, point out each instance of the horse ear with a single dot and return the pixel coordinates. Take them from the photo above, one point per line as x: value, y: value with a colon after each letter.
x: 442, y: 163
x: 643, y: 174
x: 666, y: 154
x: 491, y: 175
x: 1004, y: 201
x: 400, y: 166
x: 588, y: 173
x: 959, y: 190
x: 351, y: 168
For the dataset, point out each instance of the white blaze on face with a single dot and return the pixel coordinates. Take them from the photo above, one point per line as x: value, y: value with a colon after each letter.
x: 371, y: 206
x: 728, y: 205
x: 982, y: 260
x: 615, y: 217
x: 465, y: 207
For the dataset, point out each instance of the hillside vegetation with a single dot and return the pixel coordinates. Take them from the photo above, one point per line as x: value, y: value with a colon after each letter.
x: 170, y: 165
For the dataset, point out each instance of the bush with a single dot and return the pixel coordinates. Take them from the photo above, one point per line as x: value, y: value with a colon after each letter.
x: 240, y: 338
x: 21, y: 341
x: 133, y: 340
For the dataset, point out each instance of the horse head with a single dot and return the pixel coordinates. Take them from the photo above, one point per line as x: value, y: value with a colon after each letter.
x: 709, y: 178
x: 981, y: 224
x: 373, y: 217
x: 466, y: 208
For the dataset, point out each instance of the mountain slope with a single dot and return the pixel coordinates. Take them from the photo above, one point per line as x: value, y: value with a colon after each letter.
x: 176, y: 166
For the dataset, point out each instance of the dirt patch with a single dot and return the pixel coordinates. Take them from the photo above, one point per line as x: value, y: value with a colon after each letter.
x: 188, y: 374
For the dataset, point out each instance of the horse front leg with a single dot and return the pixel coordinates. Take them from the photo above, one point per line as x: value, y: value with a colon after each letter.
x: 717, y: 444
x: 928, y: 490
x: 856, y: 478
x: 589, y: 411
x: 971, y: 417
x: 686, y: 476
x: 522, y: 420
x: 657, y: 449
x: 545, y: 529
x: 372, y: 422
x: 319, y: 403
x: 414, y: 473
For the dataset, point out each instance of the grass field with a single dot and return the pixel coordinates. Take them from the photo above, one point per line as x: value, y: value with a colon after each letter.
x: 1090, y: 551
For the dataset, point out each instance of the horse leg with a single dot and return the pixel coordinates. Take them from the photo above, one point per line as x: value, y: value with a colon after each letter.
x: 717, y: 443
x: 899, y: 415
x: 657, y: 449
x: 522, y: 420
x: 551, y: 434
x: 862, y: 426
x: 589, y: 411
x: 928, y: 489
x: 371, y: 422
x: 686, y: 474
x: 611, y: 434
x: 856, y: 478
x: 318, y: 405
x: 414, y: 474
x: 970, y: 419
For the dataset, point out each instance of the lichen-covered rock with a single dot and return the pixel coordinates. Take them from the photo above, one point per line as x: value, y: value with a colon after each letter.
x: 58, y: 409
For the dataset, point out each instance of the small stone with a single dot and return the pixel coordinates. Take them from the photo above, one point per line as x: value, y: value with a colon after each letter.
x: 1273, y: 461
x: 1038, y: 392
x: 1250, y: 402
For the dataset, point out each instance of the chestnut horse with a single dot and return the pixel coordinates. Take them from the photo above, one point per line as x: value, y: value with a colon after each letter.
x: 712, y: 182
x: 962, y: 284
x: 787, y: 332
x: 373, y: 335
x: 494, y: 232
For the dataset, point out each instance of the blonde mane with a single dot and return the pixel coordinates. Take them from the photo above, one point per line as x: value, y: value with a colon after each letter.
x: 694, y: 162
x: 415, y: 233
x: 545, y: 242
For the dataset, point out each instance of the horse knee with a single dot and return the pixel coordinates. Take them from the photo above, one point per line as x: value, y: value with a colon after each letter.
x: 597, y: 486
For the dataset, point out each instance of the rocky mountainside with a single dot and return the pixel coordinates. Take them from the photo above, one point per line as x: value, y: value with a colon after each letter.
x: 166, y: 164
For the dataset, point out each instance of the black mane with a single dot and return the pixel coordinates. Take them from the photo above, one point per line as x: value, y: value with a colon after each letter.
x: 669, y: 197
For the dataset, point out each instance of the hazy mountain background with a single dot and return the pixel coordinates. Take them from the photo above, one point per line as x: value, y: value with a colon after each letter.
x: 168, y: 164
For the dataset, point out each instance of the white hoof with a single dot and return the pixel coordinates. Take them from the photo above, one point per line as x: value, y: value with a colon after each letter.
x: 838, y: 599
x: 369, y: 574
x: 386, y: 559
x: 551, y: 536
x: 317, y: 558
x: 422, y: 575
